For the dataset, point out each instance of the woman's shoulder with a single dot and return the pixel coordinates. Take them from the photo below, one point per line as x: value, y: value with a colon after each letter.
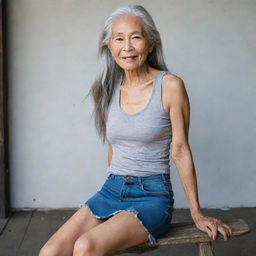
x: 173, y: 89
x: 172, y: 81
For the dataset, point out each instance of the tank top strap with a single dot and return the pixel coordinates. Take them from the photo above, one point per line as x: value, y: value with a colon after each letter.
x: 157, y: 97
x: 115, y: 95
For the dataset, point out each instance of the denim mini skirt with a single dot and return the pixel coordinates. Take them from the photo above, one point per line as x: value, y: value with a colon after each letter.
x: 150, y: 198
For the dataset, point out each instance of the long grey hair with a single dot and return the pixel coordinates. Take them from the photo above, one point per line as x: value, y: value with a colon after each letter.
x: 110, y: 73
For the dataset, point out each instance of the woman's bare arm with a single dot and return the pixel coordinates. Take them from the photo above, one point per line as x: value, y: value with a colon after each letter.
x: 179, y: 109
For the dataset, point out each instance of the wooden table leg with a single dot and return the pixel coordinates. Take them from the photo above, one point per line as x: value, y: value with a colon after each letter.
x: 205, y: 249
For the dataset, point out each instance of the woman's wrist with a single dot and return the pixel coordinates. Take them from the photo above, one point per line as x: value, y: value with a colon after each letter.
x: 195, y: 213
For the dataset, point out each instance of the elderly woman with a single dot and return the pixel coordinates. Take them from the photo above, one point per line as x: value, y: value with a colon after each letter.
x: 141, y: 109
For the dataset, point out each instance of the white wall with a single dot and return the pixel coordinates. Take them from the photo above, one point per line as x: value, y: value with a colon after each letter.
x: 56, y: 159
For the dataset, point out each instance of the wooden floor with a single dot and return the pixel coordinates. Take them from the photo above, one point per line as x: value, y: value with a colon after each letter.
x: 27, y: 231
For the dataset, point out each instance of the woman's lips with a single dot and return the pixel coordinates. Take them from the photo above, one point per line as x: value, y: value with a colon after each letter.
x: 129, y: 58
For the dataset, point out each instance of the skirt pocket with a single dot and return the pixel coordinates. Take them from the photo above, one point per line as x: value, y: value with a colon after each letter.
x: 154, y: 187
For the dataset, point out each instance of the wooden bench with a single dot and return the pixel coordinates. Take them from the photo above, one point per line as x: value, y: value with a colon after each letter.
x: 181, y: 233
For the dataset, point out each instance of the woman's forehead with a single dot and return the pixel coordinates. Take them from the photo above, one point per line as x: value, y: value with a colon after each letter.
x: 131, y: 32
x: 127, y: 24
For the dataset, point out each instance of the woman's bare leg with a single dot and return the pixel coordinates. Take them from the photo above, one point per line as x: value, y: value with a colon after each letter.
x: 62, y: 241
x: 121, y: 231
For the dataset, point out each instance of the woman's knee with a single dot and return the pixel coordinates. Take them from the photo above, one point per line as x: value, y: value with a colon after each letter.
x: 49, y: 250
x: 85, y: 245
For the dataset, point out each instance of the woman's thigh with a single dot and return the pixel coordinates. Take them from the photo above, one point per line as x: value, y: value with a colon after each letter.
x: 119, y: 232
x: 62, y: 241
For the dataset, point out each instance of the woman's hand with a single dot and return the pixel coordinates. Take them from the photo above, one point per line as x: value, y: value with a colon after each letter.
x: 212, y: 226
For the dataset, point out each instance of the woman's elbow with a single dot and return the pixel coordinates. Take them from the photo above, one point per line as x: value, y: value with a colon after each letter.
x: 180, y: 151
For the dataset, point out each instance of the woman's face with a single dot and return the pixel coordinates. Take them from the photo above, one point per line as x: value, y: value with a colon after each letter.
x: 128, y: 43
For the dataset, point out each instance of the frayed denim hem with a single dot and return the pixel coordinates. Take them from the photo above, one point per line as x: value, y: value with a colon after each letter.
x: 151, y: 239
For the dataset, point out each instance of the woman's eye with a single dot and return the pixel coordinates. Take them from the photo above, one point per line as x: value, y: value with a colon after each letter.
x: 121, y: 39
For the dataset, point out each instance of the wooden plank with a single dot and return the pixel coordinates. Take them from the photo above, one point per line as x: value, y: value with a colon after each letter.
x: 205, y: 249
x: 42, y: 226
x: 14, y: 232
x: 187, y: 232
x: 3, y: 223
x: 181, y: 233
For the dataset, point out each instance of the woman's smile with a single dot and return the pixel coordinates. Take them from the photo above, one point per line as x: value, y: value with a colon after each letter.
x: 129, y: 58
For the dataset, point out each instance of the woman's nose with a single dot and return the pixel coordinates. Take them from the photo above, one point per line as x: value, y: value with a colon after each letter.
x: 128, y: 45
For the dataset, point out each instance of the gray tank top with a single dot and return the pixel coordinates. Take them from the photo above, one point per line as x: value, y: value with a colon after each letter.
x: 140, y: 141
